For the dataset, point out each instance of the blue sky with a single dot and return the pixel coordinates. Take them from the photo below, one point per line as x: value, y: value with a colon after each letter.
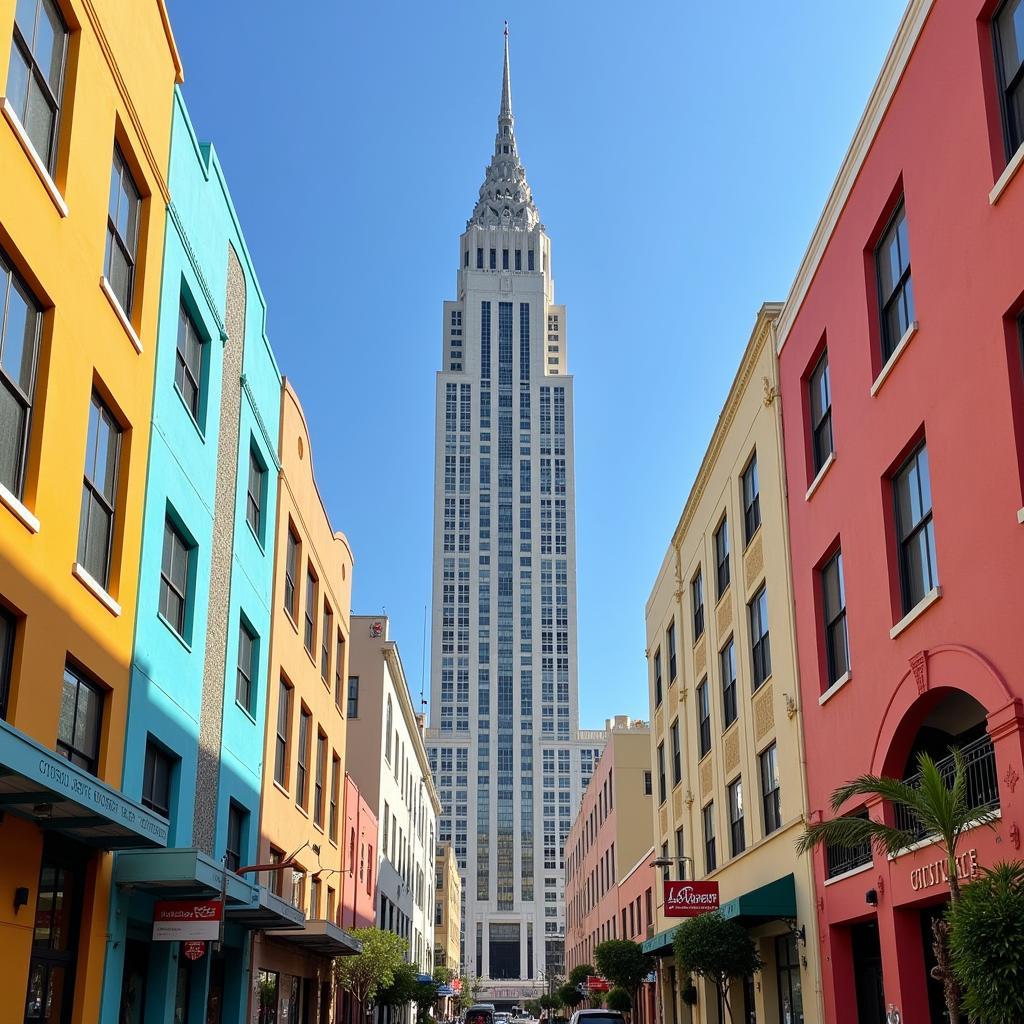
x: 679, y: 160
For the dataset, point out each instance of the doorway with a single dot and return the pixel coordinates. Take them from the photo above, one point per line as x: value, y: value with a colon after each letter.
x: 867, y: 973
x: 133, y: 982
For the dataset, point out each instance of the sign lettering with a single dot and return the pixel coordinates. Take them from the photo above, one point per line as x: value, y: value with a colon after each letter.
x: 184, y: 920
x: 937, y: 873
x: 690, y: 899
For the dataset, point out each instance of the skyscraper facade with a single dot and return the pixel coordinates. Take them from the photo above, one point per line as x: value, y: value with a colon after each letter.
x: 504, y: 742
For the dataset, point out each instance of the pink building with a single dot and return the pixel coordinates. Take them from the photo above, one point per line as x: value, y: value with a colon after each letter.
x: 359, y: 876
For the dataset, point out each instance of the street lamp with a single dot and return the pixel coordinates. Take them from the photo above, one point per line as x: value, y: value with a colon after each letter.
x: 680, y: 862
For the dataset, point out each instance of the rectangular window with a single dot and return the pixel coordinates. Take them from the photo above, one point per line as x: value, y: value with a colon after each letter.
x: 504, y: 259
x: 670, y: 646
x: 661, y: 773
x: 20, y: 325
x: 666, y: 870
x: 821, y: 413
x: 122, y: 232
x: 245, y: 692
x: 332, y: 818
x: 737, y: 839
x: 727, y: 663
x: 479, y: 259
x: 704, y: 717
x: 697, y: 598
x: 79, y: 726
x: 657, y: 678
x: 326, y: 635
x: 291, y: 576
x: 761, y: 647
x: 284, y: 719
x: 174, y: 570
x: 519, y: 259
x: 320, y: 779
x: 188, y: 362
x: 680, y: 854
x: 353, y: 696
x: 770, y: 790
x: 648, y: 790
x: 710, y: 854
x: 8, y: 629
x: 493, y: 259
x: 156, y: 779
x: 309, y: 635
x: 1008, y: 32
x: 751, y: 500
x: 254, y: 494
x: 915, y: 531
x: 237, y: 819
x: 722, y: 557
x: 339, y: 668
x: 895, y: 288
x: 834, y: 609
x: 529, y: 260
x: 302, y: 757
x: 677, y: 755
x: 99, y: 492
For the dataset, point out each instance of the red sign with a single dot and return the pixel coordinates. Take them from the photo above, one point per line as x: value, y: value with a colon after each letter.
x: 690, y: 899
x: 456, y: 984
x: 181, y: 920
x: 193, y: 950
x: 595, y: 984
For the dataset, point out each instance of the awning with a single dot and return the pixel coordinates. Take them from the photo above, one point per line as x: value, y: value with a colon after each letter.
x: 774, y: 901
x: 426, y: 979
x: 264, y: 911
x: 47, y: 789
x: 661, y: 944
x: 175, y: 873
x: 322, y: 937
x: 444, y: 991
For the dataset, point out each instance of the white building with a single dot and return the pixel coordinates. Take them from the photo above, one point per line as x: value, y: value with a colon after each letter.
x: 386, y: 757
x: 504, y: 740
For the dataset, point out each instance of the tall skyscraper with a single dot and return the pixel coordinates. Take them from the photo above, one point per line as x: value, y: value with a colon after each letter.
x: 504, y: 742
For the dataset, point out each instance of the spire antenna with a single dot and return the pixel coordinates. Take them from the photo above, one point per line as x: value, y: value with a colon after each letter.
x: 506, y: 87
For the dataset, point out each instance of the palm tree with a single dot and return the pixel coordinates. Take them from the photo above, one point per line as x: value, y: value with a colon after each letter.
x: 934, y: 804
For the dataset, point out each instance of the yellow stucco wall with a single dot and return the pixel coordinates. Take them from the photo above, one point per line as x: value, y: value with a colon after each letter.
x: 446, y: 934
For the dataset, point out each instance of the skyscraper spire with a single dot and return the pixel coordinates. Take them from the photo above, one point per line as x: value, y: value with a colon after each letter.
x: 506, y: 86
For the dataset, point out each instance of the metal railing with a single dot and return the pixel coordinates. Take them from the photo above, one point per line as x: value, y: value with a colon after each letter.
x: 840, y: 859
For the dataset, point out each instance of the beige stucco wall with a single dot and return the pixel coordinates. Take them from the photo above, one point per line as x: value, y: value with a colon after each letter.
x: 449, y: 895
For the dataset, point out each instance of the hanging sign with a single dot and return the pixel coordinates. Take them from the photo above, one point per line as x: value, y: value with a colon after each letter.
x: 596, y: 984
x: 193, y: 950
x: 690, y: 899
x: 181, y: 920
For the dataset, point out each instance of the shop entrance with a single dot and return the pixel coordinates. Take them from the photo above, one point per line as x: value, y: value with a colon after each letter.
x: 133, y: 982
x: 504, y: 950
x: 936, y: 997
x: 867, y: 973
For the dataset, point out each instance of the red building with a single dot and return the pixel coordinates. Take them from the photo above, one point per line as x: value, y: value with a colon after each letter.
x: 903, y: 404
x: 359, y: 878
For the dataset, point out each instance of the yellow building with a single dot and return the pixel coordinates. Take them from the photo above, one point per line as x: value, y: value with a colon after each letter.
x: 729, y: 788
x: 447, y: 909
x: 84, y: 139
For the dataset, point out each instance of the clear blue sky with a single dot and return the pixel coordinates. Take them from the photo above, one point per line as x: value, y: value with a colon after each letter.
x: 679, y: 160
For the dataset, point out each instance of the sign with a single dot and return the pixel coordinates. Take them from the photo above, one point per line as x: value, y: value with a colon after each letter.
x: 937, y: 873
x: 457, y: 984
x: 596, y: 984
x: 193, y: 950
x: 181, y: 920
x: 690, y: 899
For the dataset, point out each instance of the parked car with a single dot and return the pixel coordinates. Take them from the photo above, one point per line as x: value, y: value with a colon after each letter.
x: 597, y: 1017
x: 481, y: 1013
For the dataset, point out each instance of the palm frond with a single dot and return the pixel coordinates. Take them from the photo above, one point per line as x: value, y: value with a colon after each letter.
x: 894, y: 790
x: 848, y: 831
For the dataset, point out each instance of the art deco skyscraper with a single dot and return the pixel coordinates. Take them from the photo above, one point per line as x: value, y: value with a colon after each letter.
x: 504, y: 742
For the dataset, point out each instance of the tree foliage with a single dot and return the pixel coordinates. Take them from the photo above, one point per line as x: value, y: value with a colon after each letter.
x: 548, y: 1002
x: 468, y: 992
x: 369, y: 972
x: 570, y: 996
x: 987, y: 944
x: 443, y: 975
x: 618, y: 999
x: 717, y: 949
x: 580, y: 973
x: 624, y: 963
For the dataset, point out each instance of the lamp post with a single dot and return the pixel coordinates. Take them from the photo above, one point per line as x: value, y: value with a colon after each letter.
x: 680, y: 862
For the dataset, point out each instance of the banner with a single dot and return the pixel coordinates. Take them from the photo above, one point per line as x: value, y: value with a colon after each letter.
x: 690, y: 899
x: 182, y: 920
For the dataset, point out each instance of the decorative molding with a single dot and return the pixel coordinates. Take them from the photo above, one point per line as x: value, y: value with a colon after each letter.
x: 1015, y: 836
x: 1011, y: 778
x: 919, y: 666
x: 771, y: 392
x: 271, y: 443
x: 724, y: 612
x: 706, y: 777
x: 790, y: 705
x: 753, y: 561
x: 764, y: 711
x: 197, y: 270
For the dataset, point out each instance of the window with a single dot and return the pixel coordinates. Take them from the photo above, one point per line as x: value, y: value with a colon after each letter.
x: 704, y: 717
x: 245, y: 692
x: 326, y: 635
x: 762, y: 652
x: 1008, y: 31
x: 156, y: 780
x: 670, y: 646
x: 35, y: 80
x: 332, y: 818
x: 648, y: 790
x: 122, y: 233
x: 291, y: 576
x: 188, y: 362
x: 529, y: 260
x: 388, y: 719
x: 751, y: 500
x: 661, y: 773
x: 834, y: 608
x: 821, y: 413
x: 727, y: 662
x: 320, y: 779
x: 310, y: 627
x: 722, y: 557
x: 680, y: 854
x: 493, y: 259
x: 174, y: 578
x: 915, y: 530
x: 238, y: 817
x: 8, y: 627
x: 353, y: 696
x: 504, y: 259
x: 895, y: 289
x: 770, y: 790
x: 657, y: 678
x: 479, y: 259
x: 710, y: 855
x: 697, y: 597
x: 677, y: 755
x: 339, y: 667
x: 737, y: 840
x: 666, y: 870
x: 20, y: 321
x: 254, y: 493
x: 314, y: 898
x: 302, y: 757
x: 284, y: 718
x: 81, y: 713
x: 99, y: 494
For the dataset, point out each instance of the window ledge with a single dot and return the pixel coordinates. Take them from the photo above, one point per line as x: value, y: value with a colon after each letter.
x: 1020, y: 513
x: 188, y: 411
x: 281, y: 789
x: 245, y: 711
x: 177, y: 636
x: 890, y: 364
x: 84, y: 577
x: 835, y: 687
x: 816, y: 482
x: 122, y: 316
x: 255, y: 536
x: 20, y: 512
x: 1009, y: 173
x: 851, y: 873
x: 30, y: 151
x: 916, y: 612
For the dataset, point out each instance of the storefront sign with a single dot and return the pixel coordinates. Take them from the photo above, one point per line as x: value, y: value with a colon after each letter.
x: 181, y: 920
x: 937, y: 872
x: 596, y: 984
x: 690, y: 899
x: 193, y: 950
x: 457, y: 984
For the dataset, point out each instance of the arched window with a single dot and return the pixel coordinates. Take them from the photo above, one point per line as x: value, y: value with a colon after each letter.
x: 387, y: 735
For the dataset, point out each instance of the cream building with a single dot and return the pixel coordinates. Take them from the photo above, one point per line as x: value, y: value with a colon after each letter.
x: 447, y: 908
x: 726, y: 741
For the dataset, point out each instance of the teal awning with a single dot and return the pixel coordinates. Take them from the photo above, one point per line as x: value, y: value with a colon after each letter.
x: 774, y: 901
x: 322, y: 937
x: 179, y: 873
x: 661, y: 944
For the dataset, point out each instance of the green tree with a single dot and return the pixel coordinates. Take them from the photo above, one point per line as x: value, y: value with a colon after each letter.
x: 548, y: 1002
x: 368, y: 972
x: 580, y: 973
x: 469, y: 991
x: 532, y: 1007
x: 986, y: 942
x: 402, y: 989
x: 618, y: 999
x: 937, y: 804
x: 570, y: 996
x: 624, y: 963
x: 717, y: 949
x: 443, y: 975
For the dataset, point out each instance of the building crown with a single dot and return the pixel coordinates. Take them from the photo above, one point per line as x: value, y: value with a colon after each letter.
x: 505, y: 196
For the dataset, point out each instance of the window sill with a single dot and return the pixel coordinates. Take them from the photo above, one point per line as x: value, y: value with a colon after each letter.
x: 188, y: 411
x: 835, y: 687
x: 916, y: 612
x: 816, y: 482
x: 891, y: 362
x: 245, y: 711
x: 1020, y: 513
x: 723, y: 595
x: 85, y: 578
x: 122, y: 316
x: 18, y: 510
x: 1009, y: 173
x: 177, y: 636
x: 30, y: 151
x: 758, y: 687
x: 255, y: 537
x: 281, y: 789
x: 851, y: 873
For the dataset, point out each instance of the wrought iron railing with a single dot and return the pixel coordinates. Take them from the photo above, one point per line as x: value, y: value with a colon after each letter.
x: 840, y: 859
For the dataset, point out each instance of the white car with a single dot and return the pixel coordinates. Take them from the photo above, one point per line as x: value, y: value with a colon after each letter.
x: 597, y: 1017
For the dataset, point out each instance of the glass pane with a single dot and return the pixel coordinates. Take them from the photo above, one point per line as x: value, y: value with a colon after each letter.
x: 12, y: 435
x: 906, y: 502
x: 179, y: 575
x: 20, y: 337
x: 119, y: 275
x: 87, y: 721
x: 66, y: 722
x: 840, y: 662
x: 833, y: 590
x: 915, y: 554
x: 115, y: 188
x: 1011, y: 38
x: 25, y: 18
x: 924, y: 481
x: 130, y: 213
x: 40, y: 116
x: 17, y: 83
x: 49, y: 45
x: 107, y: 456
x: 96, y: 542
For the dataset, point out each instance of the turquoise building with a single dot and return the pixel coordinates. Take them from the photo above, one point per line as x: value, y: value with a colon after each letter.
x: 194, y: 746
